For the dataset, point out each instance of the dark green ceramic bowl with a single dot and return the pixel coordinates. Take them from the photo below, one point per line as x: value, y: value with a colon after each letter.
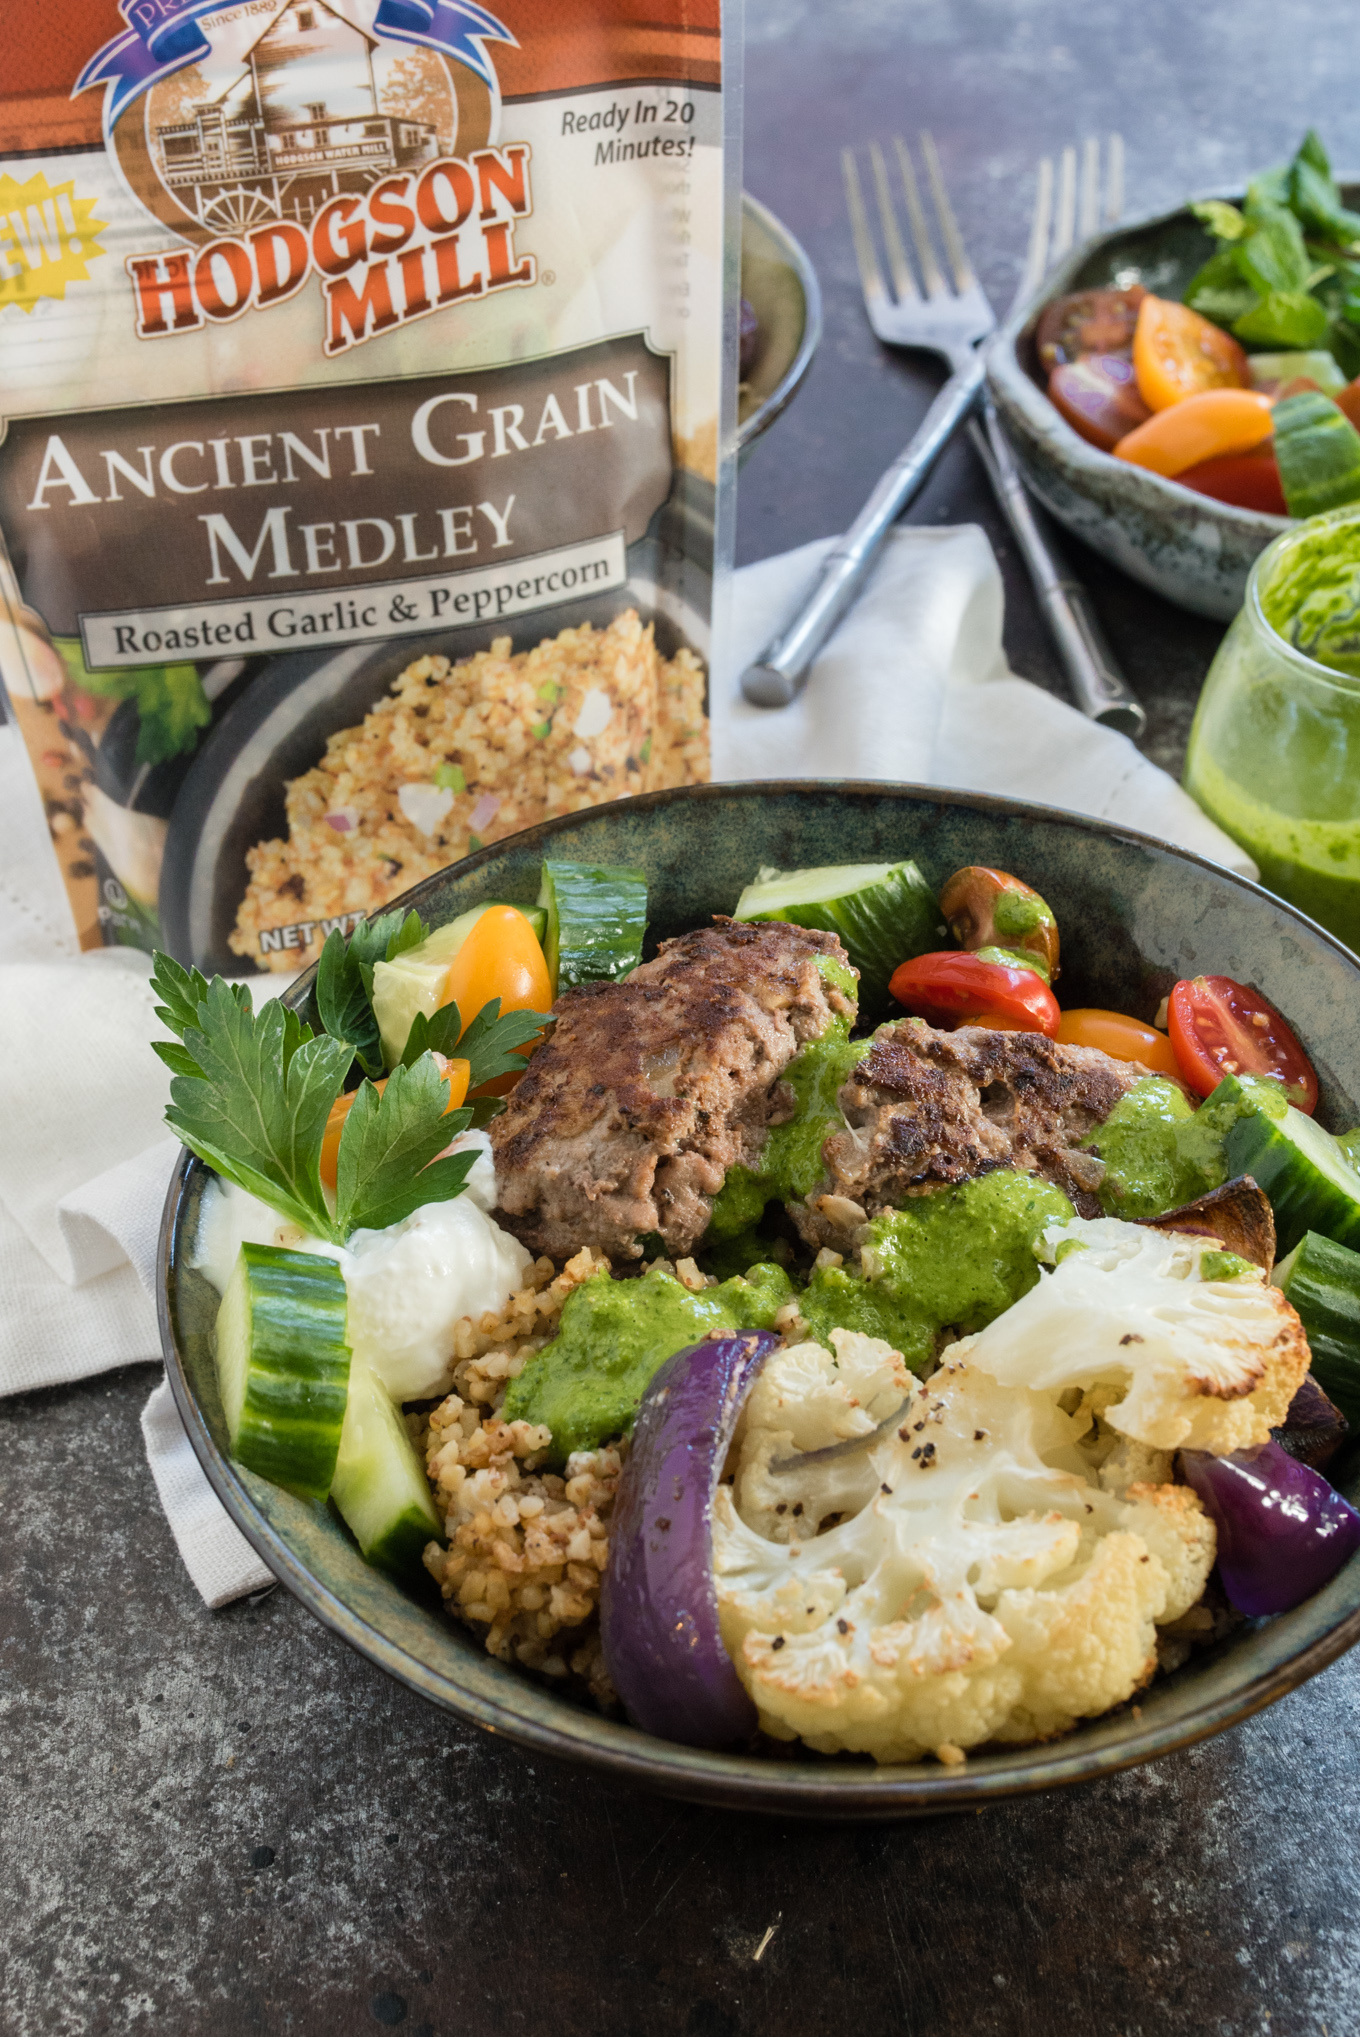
x: 1195, y: 551
x: 1134, y: 916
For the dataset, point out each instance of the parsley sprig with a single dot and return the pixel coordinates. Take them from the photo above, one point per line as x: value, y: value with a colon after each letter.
x: 252, y: 1091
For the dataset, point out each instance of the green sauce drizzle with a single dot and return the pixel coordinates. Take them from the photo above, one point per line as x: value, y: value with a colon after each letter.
x: 615, y: 1335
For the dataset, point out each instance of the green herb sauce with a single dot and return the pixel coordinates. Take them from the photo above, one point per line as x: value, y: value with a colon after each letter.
x: 791, y: 1163
x: 1224, y: 1266
x: 615, y: 1335
x: 953, y: 1259
x: 1160, y: 1153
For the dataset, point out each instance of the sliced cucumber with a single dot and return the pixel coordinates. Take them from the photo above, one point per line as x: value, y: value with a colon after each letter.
x: 1321, y: 1279
x: 597, y: 920
x: 380, y: 1485
x: 1311, y: 1184
x: 283, y: 1364
x: 884, y: 913
x: 415, y: 981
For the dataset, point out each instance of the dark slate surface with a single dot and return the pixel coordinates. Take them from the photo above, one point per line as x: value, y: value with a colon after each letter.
x: 226, y: 1823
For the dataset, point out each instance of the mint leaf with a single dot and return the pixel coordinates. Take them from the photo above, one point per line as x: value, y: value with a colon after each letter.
x: 1222, y: 220
x: 383, y: 1169
x: 1289, y: 320
x: 256, y: 1109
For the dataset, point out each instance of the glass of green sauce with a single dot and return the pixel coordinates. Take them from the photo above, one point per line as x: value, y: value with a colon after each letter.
x: 1274, y: 753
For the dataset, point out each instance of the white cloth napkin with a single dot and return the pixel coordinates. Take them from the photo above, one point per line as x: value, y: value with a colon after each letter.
x: 913, y: 686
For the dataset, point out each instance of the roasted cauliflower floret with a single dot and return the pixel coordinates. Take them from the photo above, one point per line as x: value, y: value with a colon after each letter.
x: 973, y: 1579
x: 1167, y: 1358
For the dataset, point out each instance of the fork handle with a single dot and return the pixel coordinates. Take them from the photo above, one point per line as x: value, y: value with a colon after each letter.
x: 778, y: 675
x: 1098, y: 686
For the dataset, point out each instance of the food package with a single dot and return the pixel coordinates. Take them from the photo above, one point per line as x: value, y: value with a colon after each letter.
x: 367, y: 410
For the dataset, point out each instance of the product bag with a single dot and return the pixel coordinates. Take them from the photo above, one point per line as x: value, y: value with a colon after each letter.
x: 368, y: 408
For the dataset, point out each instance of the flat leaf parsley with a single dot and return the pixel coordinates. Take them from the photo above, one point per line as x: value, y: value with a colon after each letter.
x: 253, y: 1091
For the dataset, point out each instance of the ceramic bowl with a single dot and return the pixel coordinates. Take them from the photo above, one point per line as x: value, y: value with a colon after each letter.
x: 1134, y: 915
x: 1195, y: 551
x: 780, y: 284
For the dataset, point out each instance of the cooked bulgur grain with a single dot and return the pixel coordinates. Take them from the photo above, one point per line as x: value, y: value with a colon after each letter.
x: 526, y: 1548
x: 462, y: 755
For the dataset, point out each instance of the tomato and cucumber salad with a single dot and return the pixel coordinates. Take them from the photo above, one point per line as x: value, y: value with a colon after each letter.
x: 1246, y: 388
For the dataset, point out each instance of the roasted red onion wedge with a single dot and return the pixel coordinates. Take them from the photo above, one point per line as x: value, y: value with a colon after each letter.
x: 659, y: 1609
x: 1283, y: 1531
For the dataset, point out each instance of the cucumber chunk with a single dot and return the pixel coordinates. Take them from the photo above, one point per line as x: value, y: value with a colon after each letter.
x: 283, y: 1364
x: 597, y: 920
x: 884, y: 913
x: 380, y: 1485
x: 415, y: 981
x: 1311, y: 1184
x: 1321, y: 1280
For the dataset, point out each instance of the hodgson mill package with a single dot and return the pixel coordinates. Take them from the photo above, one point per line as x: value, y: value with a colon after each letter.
x: 366, y: 407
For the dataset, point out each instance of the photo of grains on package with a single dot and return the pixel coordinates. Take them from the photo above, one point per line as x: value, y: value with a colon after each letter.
x: 366, y: 425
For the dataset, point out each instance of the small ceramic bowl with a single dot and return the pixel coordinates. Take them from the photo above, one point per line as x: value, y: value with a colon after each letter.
x: 1195, y: 551
x: 1134, y: 915
x: 780, y: 284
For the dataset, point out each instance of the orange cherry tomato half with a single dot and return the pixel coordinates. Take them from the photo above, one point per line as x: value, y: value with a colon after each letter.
x: 952, y: 989
x: 501, y: 958
x: 1249, y: 480
x: 456, y: 1072
x: 1220, y: 1028
x: 1123, y: 1039
x: 1176, y: 353
x: 1201, y: 428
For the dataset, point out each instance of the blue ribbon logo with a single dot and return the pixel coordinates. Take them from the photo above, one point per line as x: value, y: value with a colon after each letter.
x: 163, y: 36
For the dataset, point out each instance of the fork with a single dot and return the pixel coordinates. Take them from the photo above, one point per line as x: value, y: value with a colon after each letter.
x: 931, y: 316
x: 1098, y: 685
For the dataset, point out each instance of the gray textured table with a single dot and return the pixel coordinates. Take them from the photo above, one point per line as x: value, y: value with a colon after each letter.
x: 228, y: 1823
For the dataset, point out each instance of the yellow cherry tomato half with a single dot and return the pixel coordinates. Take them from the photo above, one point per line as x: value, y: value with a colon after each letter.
x: 1122, y: 1038
x: 501, y: 958
x: 1176, y: 353
x: 456, y: 1072
x: 1203, y: 427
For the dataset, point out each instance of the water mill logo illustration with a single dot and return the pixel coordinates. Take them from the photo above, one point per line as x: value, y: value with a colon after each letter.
x: 285, y: 139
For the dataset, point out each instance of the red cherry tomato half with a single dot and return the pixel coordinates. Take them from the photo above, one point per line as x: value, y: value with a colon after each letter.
x: 1250, y: 480
x: 952, y: 989
x: 1098, y: 395
x: 1220, y: 1028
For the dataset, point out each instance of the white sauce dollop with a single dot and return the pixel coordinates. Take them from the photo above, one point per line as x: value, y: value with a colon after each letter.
x: 407, y: 1286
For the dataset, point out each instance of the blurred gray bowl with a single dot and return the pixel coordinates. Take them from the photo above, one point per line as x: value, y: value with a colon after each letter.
x: 1195, y: 551
x: 780, y: 284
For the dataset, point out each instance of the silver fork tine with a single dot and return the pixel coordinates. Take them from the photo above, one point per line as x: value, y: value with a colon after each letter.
x: 1114, y: 179
x: 1090, y: 186
x: 870, y: 275
x: 903, y: 281
x: 930, y: 269
x: 1036, y: 260
x: 1065, y: 228
x: 964, y: 278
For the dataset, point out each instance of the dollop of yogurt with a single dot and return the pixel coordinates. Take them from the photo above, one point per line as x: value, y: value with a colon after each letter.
x: 407, y: 1286
x: 410, y: 1284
